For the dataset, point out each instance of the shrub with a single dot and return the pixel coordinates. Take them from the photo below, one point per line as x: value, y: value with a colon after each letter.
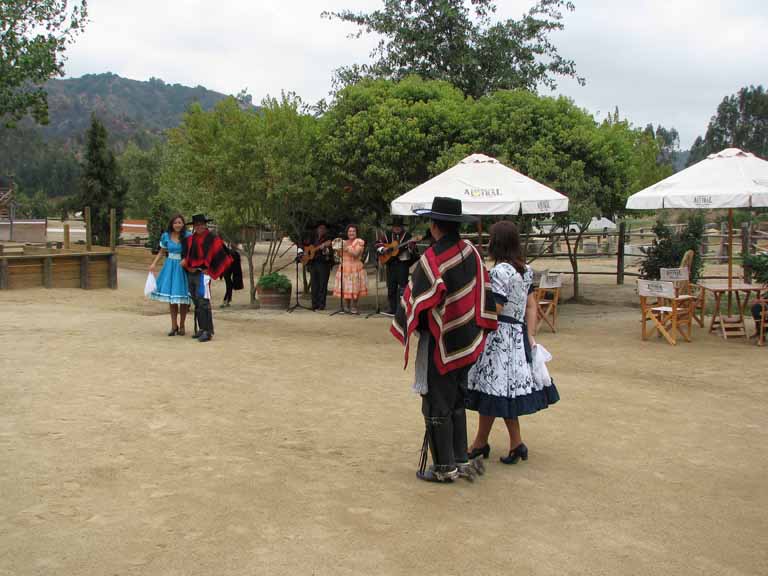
x: 759, y: 265
x: 274, y: 281
x: 669, y: 247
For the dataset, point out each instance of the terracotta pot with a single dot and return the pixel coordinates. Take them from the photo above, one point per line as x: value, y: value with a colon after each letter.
x: 273, y: 300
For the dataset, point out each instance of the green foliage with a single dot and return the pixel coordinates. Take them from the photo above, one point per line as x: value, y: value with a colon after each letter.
x: 36, y: 206
x: 275, y: 281
x: 462, y: 44
x: 101, y: 185
x: 141, y: 171
x: 759, y: 265
x: 741, y: 121
x: 159, y: 214
x: 669, y: 247
x: 33, y: 37
x: 37, y: 164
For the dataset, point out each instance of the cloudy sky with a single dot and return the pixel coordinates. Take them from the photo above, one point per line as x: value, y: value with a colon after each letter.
x: 668, y: 62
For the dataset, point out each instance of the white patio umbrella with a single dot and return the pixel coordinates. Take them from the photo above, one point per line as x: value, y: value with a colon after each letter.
x: 729, y: 179
x: 486, y: 188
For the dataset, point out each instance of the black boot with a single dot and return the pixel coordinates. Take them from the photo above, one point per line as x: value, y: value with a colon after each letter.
x: 468, y: 469
x: 439, y: 439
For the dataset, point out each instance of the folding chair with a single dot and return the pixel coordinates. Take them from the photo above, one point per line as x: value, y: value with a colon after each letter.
x: 547, y: 299
x: 681, y: 278
x: 695, y: 291
x: 668, y: 314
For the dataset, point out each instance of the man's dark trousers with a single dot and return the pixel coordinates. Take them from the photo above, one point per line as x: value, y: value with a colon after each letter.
x: 203, y: 314
x: 319, y: 273
x: 397, y: 280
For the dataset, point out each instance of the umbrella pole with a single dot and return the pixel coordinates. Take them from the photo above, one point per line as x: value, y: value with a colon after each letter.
x: 730, y: 257
x: 480, y: 235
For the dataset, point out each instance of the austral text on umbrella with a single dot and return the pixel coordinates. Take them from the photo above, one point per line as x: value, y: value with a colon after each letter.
x: 482, y: 192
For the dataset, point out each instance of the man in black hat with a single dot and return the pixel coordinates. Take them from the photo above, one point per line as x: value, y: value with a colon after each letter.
x: 203, y: 253
x: 398, y: 248
x: 319, y: 264
x: 449, y: 301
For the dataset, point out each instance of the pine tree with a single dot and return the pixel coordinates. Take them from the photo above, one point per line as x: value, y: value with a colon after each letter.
x: 101, y: 186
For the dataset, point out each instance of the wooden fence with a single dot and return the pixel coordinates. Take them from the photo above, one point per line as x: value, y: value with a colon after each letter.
x: 625, y: 247
x: 86, y: 266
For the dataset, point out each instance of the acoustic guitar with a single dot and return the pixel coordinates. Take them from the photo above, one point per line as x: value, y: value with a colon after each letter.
x: 312, y: 251
x: 392, y: 249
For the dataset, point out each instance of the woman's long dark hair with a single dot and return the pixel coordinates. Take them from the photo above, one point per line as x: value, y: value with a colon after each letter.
x: 504, y: 245
x: 170, y: 225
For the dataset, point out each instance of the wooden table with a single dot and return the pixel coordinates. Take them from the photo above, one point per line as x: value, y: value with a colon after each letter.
x: 730, y: 326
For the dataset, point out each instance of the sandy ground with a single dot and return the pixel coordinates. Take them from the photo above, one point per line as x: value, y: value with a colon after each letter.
x: 288, y: 445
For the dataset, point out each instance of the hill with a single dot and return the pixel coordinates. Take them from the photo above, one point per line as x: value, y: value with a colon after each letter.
x: 45, y: 158
x: 130, y: 109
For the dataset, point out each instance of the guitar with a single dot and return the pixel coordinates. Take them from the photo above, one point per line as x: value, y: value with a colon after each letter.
x: 393, y: 249
x: 311, y: 251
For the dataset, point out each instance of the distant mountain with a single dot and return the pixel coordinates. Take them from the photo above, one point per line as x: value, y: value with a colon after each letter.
x: 130, y: 109
x: 46, y: 158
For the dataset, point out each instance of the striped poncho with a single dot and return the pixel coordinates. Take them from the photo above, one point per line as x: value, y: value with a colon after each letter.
x: 451, y: 289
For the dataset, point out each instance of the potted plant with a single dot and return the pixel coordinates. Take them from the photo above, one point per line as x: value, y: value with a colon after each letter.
x: 274, y: 291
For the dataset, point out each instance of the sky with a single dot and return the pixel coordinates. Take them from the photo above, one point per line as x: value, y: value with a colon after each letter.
x: 668, y: 62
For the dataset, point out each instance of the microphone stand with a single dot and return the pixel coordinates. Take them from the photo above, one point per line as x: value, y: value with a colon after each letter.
x: 298, y: 304
x: 341, y: 309
x: 376, y: 312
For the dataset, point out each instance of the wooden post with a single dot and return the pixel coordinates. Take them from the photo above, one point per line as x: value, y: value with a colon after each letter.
x: 88, y: 236
x: 3, y: 272
x: 112, y: 229
x: 85, y: 265
x: 113, y: 271
x: 48, y: 272
x: 620, y: 254
x: 730, y: 257
x: 746, y: 250
x: 723, y: 242
x: 66, y: 236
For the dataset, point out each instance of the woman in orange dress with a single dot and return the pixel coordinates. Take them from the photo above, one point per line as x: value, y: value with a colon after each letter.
x: 355, y: 282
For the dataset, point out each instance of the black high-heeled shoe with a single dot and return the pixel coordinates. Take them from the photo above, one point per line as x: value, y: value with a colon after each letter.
x: 483, y: 451
x: 173, y: 332
x: 519, y: 453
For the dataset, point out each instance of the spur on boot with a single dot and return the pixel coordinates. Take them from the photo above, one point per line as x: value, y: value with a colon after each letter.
x: 484, y: 451
x: 519, y: 453
x: 432, y: 475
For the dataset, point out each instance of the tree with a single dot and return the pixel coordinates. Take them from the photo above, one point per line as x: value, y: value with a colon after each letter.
x: 141, y: 172
x: 248, y: 169
x: 101, y: 187
x: 449, y: 40
x: 381, y: 138
x: 33, y: 37
x: 741, y: 121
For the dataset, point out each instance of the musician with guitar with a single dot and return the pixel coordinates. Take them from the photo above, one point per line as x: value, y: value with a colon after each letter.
x: 318, y: 257
x: 396, y: 250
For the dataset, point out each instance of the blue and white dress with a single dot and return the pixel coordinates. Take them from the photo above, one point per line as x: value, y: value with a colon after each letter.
x: 500, y: 383
x: 172, y: 284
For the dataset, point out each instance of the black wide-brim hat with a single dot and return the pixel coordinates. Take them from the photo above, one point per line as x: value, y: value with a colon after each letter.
x: 445, y: 209
x: 200, y: 219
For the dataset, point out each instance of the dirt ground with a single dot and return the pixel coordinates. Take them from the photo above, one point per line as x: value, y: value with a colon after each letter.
x: 288, y: 445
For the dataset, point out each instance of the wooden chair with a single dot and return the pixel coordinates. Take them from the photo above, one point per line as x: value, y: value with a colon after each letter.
x: 695, y: 291
x: 668, y: 314
x: 547, y: 299
x: 761, y: 324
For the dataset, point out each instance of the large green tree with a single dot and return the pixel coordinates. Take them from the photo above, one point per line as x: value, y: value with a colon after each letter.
x: 141, y: 172
x: 462, y: 43
x: 741, y: 121
x: 101, y: 187
x: 248, y: 169
x: 33, y: 37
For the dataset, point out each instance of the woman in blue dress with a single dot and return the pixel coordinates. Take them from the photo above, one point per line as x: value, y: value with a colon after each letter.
x: 501, y: 384
x: 172, y: 284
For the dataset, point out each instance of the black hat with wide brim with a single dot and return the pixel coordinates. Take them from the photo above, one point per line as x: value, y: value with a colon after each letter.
x: 200, y: 219
x: 445, y: 209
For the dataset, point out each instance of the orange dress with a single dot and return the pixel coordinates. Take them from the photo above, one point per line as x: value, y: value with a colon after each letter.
x: 355, y: 278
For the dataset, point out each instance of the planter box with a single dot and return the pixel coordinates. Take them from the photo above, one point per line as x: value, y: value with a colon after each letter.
x: 273, y: 300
